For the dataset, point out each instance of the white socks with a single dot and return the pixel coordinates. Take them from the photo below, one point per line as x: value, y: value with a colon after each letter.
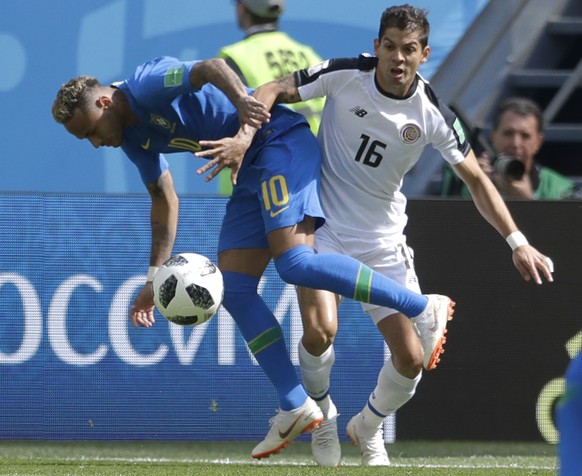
x: 392, y: 391
x: 315, y: 372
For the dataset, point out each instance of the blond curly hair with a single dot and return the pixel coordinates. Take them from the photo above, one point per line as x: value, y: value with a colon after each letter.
x: 72, y: 95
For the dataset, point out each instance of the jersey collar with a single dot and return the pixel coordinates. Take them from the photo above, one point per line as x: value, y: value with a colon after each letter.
x: 411, y: 91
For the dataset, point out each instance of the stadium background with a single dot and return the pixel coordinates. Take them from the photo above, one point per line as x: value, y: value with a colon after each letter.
x: 45, y: 43
x: 75, y: 238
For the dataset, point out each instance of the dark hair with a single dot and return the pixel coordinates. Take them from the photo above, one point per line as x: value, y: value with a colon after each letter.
x: 405, y: 17
x: 522, y: 107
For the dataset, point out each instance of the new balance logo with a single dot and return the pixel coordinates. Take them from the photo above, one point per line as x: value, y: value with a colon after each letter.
x: 358, y: 111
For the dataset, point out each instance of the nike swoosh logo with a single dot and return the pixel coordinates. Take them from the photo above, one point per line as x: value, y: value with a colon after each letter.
x: 285, y: 434
x: 146, y: 146
x: 274, y: 214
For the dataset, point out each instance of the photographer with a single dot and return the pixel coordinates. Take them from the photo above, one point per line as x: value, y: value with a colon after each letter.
x: 516, y: 138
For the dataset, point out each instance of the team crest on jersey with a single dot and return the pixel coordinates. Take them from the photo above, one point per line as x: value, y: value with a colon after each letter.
x: 160, y: 121
x: 410, y: 133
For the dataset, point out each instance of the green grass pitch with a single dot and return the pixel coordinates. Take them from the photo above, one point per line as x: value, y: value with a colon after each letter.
x: 90, y: 458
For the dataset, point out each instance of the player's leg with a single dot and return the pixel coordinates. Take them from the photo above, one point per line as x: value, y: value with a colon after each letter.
x: 316, y: 358
x: 242, y: 259
x: 319, y: 317
x: 318, y: 271
x: 396, y: 385
x: 298, y: 264
x: 257, y: 324
x: 401, y: 373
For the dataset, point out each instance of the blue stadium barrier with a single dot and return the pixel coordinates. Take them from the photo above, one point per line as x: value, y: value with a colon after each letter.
x: 72, y: 367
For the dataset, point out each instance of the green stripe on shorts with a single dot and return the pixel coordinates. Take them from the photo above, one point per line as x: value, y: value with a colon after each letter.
x: 363, y: 284
x: 264, y: 340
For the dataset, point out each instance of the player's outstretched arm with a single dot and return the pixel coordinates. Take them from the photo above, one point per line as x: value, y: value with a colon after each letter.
x: 164, y: 223
x: 529, y: 261
x: 282, y: 90
x: 218, y: 73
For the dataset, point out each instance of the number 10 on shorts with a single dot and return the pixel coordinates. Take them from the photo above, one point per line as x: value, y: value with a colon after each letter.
x: 274, y: 191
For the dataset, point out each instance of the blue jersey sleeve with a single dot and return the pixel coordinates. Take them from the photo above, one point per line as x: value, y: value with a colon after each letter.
x: 161, y: 80
x: 150, y: 165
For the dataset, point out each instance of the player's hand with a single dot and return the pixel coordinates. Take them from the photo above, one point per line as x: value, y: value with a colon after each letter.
x: 141, y: 313
x: 225, y: 152
x: 252, y: 112
x: 530, y: 262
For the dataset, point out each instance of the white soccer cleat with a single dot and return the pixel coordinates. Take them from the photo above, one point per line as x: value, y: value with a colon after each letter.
x: 286, y: 426
x: 325, y: 444
x: 431, y: 327
x: 371, y: 443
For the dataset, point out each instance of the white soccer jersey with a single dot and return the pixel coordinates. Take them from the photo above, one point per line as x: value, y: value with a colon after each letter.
x: 369, y: 140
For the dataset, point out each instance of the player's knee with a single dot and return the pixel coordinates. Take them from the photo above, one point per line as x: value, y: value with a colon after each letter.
x: 237, y: 288
x: 408, y: 363
x: 317, y: 340
x: 292, y: 265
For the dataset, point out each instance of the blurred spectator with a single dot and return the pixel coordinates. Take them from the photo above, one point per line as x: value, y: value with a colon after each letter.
x: 516, y: 138
x: 266, y: 54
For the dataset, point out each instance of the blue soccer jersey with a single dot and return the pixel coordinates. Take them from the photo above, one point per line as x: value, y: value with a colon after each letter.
x: 173, y: 116
x: 279, y: 179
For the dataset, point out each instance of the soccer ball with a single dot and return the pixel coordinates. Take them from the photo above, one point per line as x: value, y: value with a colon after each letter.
x: 188, y: 289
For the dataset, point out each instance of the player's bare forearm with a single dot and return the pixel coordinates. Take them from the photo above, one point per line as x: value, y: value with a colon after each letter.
x: 164, y: 218
x: 486, y: 197
x: 282, y: 90
x: 529, y: 261
x: 492, y: 207
x: 164, y: 221
x: 218, y: 73
x: 163, y: 237
x: 289, y: 92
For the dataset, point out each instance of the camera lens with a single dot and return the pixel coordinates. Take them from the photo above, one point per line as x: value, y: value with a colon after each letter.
x: 510, y: 168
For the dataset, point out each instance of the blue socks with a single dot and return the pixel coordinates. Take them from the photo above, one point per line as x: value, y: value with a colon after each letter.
x: 348, y: 277
x: 263, y: 335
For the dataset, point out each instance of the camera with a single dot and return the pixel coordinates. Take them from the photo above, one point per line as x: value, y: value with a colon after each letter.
x: 509, y: 167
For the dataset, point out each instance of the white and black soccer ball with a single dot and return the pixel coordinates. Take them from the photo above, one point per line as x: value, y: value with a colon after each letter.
x: 188, y: 289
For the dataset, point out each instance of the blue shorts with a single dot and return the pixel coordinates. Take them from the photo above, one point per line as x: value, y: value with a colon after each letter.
x: 277, y: 188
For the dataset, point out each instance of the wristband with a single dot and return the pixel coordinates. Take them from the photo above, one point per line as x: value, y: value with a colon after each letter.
x: 152, y: 270
x: 516, y: 239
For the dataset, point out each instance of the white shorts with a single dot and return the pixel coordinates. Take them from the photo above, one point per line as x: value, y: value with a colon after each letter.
x: 393, y: 260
